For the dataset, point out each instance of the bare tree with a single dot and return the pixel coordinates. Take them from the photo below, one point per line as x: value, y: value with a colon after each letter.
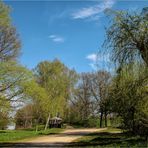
x: 99, y: 89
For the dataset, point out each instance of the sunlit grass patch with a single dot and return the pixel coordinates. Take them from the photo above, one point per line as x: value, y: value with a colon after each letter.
x: 14, y: 135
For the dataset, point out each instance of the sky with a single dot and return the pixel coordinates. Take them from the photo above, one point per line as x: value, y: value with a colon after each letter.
x: 71, y: 31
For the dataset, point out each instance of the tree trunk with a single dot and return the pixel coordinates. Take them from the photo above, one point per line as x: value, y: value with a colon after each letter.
x: 36, y: 129
x: 105, y: 119
x: 25, y: 123
x: 47, y: 122
x: 144, y: 55
x: 31, y: 123
x: 101, y: 118
x: 133, y: 120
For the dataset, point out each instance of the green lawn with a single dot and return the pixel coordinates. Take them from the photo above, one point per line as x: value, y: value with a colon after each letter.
x: 111, y: 138
x: 15, y: 135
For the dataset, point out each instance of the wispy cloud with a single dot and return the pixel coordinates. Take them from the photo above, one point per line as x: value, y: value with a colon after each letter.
x: 56, y: 38
x: 92, y: 57
x: 93, y: 11
x: 99, y: 60
x: 93, y: 60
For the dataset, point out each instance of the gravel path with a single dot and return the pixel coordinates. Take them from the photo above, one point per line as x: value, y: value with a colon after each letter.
x: 67, y: 136
x: 58, y: 140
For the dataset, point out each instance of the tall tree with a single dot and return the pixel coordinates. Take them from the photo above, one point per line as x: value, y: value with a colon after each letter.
x: 4, y: 14
x: 82, y: 98
x: 38, y: 97
x: 57, y: 80
x: 128, y: 93
x: 128, y: 36
x: 11, y: 77
x: 11, y: 73
x: 5, y: 108
x: 99, y: 87
x: 9, y: 44
x: 9, y: 40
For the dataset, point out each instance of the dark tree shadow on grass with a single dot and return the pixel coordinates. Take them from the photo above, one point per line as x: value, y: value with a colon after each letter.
x: 98, y: 140
x: 113, y: 140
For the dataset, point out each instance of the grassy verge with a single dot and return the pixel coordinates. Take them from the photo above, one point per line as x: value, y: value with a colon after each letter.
x: 15, y: 135
x: 111, y: 138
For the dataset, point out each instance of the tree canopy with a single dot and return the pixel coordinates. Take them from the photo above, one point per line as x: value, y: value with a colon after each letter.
x: 127, y: 36
x: 57, y: 80
x: 4, y: 14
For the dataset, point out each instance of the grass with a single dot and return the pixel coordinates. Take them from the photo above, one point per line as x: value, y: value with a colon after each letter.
x: 111, y: 138
x: 15, y: 135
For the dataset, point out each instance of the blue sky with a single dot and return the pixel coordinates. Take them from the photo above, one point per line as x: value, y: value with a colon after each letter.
x: 72, y: 31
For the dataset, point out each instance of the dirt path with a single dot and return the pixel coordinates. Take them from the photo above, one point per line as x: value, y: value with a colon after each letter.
x: 67, y: 136
x: 58, y: 140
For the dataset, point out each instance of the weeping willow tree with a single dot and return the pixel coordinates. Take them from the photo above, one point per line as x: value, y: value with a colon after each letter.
x: 127, y: 36
x: 127, y: 39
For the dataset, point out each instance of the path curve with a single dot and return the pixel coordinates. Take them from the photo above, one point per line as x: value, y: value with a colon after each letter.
x: 58, y: 140
x: 67, y: 136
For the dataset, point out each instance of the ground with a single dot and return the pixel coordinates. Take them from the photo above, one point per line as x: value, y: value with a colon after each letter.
x: 88, y: 137
x: 55, y: 140
x: 66, y: 136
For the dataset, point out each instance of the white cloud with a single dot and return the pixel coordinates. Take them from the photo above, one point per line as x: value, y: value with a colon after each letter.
x: 52, y: 36
x: 56, y: 38
x: 93, y: 11
x: 99, y: 60
x: 85, y: 12
x: 92, y: 57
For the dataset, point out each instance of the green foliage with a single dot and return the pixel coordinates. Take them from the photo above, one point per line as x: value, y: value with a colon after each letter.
x: 4, y: 14
x: 116, y: 121
x: 48, y: 93
x: 38, y: 105
x: 5, y: 108
x: 90, y: 98
x: 91, y: 122
x: 10, y: 43
x: 33, y: 91
x: 128, y: 37
x: 12, y: 75
x: 129, y: 94
x: 30, y: 116
x: 57, y: 80
x: 8, y: 136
